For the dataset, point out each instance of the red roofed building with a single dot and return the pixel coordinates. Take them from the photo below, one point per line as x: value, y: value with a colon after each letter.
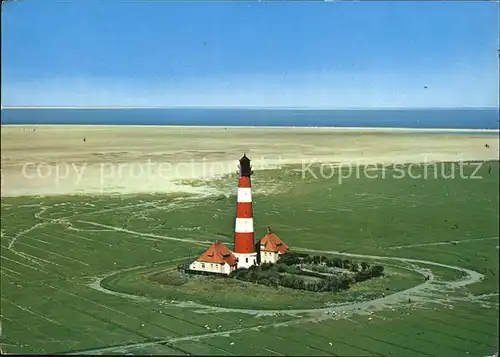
x: 216, y: 259
x: 271, y: 247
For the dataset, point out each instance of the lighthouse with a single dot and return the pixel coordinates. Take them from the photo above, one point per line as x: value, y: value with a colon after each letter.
x: 244, y: 240
x: 218, y: 259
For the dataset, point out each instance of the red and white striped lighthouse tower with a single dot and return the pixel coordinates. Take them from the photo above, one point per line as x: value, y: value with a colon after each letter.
x: 244, y: 244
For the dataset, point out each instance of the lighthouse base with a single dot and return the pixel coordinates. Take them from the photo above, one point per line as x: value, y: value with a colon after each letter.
x: 246, y: 260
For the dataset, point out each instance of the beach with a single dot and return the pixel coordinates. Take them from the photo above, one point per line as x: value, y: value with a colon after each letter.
x: 60, y: 159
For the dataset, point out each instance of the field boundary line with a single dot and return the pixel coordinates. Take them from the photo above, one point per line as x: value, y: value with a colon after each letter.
x: 93, y: 302
x: 37, y: 215
x: 53, y: 253
x: 150, y: 235
x: 28, y: 257
x: 441, y: 243
x: 12, y: 271
x: 38, y: 240
x: 24, y: 265
x: 191, y: 337
x: 20, y: 234
x: 34, y: 257
x: 31, y: 312
x: 53, y: 236
x: 128, y: 241
x: 111, y: 209
x: 80, y: 237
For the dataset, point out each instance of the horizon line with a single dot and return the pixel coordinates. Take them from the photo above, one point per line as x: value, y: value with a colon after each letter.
x: 338, y: 128
x: 241, y: 107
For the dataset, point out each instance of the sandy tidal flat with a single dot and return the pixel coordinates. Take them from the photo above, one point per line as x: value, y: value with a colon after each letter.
x: 53, y: 160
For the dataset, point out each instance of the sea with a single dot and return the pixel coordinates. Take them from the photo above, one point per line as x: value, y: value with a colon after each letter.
x: 400, y: 118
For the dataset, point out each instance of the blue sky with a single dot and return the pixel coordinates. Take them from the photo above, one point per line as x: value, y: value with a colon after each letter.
x: 294, y: 54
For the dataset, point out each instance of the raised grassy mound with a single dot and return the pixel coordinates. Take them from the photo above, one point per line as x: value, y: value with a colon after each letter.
x: 298, y: 282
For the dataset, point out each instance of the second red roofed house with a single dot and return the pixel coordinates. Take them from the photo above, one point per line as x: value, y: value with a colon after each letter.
x: 271, y: 247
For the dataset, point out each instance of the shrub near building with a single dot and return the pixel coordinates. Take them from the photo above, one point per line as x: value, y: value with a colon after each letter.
x: 318, y: 278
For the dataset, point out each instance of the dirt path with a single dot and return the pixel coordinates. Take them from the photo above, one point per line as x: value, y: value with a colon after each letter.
x: 441, y: 243
x: 150, y: 235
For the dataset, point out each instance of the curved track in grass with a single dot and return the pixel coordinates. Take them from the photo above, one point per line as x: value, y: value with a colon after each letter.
x: 419, y: 293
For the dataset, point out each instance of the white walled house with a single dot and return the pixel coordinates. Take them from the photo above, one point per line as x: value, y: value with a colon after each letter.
x: 271, y: 248
x: 268, y: 256
x: 216, y: 259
